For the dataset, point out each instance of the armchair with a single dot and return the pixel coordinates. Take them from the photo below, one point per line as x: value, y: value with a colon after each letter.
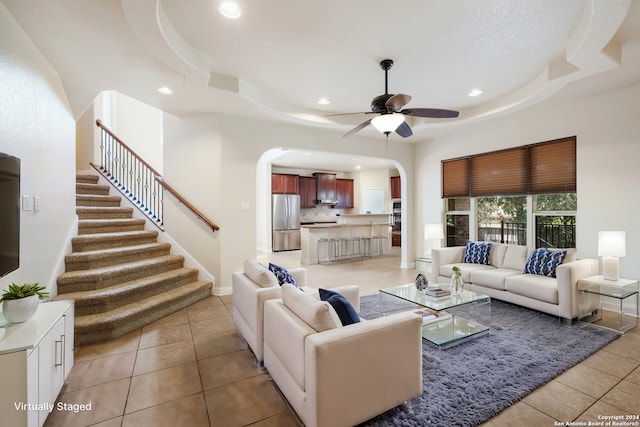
x: 344, y: 375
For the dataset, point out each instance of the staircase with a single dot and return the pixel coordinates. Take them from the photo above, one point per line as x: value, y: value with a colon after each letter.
x: 120, y: 277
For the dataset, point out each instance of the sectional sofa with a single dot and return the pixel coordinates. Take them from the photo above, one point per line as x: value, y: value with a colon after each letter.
x: 502, y: 276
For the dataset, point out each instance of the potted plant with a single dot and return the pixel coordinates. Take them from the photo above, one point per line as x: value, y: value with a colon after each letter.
x: 20, y: 302
x: 457, y: 286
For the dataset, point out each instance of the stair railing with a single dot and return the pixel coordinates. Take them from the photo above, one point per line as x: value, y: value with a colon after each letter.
x: 137, y: 179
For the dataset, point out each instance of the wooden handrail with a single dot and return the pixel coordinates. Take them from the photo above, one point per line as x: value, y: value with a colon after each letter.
x: 188, y: 205
x: 160, y: 179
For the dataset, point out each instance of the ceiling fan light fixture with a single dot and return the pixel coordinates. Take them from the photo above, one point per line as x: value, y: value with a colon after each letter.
x: 387, y: 123
x: 230, y: 9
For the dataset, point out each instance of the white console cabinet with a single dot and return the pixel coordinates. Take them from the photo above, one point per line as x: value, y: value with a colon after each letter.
x: 35, y: 359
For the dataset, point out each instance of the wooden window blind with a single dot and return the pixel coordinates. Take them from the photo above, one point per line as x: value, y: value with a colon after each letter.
x: 455, y: 178
x: 499, y: 173
x: 546, y: 167
x: 553, y: 167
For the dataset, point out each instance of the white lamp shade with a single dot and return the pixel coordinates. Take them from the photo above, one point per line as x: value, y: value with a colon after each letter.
x: 433, y: 232
x: 612, y: 243
x: 387, y: 123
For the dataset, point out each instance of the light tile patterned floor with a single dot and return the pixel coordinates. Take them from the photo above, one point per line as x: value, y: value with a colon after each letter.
x: 192, y: 369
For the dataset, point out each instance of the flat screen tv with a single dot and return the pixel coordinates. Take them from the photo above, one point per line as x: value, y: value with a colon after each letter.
x: 9, y: 214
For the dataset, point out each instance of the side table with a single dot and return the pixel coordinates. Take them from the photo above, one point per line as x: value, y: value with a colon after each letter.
x: 596, y: 292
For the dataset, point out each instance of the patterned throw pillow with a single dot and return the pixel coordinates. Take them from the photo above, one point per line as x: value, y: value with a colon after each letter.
x: 477, y: 252
x: 544, y: 262
x: 282, y: 274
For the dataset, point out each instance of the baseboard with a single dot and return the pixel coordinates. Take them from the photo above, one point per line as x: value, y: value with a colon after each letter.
x: 223, y: 290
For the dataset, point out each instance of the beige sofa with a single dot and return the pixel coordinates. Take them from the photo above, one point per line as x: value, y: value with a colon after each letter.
x: 504, y: 278
x: 334, y: 375
x: 255, y: 285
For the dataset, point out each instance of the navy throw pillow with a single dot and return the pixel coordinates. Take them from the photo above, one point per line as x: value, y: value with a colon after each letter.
x: 341, y: 305
x: 477, y: 252
x: 544, y: 262
x: 282, y: 274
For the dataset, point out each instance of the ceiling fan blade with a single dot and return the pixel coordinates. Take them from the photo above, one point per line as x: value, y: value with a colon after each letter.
x: 348, y: 114
x: 404, y: 130
x: 396, y: 102
x: 430, y: 112
x: 357, y: 128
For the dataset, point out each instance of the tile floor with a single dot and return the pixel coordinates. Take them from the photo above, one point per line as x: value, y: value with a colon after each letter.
x: 192, y: 369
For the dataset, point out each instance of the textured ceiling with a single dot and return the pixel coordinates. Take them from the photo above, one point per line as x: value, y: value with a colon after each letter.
x: 281, y: 56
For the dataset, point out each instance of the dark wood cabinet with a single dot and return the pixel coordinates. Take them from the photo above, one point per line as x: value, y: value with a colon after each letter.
x: 282, y: 183
x: 344, y: 189
x: 307, y: 186
x: 396, y: 239
x: 396, y: 191
x: 325, y: 187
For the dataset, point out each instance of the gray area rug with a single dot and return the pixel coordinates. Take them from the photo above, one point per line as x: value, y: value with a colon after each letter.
x: 468, y: 384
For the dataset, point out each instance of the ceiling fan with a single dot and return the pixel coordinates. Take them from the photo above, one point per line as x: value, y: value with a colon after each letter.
x: 390, y: 116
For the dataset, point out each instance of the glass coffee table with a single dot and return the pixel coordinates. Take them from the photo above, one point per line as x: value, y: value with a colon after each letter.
x: 446, y: 321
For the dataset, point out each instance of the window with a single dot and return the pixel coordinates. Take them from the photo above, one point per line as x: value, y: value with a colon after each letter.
x: 522, y: 195
x: 502, y: 219
x: 457, y: 220
x: 555, y: 219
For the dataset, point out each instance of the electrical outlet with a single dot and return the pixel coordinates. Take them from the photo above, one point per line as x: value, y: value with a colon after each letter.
x: 27, y: 203
x: 36, y: 203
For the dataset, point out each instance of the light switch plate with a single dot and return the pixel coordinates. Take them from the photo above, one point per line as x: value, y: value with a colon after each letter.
x: 27, y: 203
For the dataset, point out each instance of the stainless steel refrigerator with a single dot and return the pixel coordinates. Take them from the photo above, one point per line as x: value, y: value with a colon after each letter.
x: 285, y: 218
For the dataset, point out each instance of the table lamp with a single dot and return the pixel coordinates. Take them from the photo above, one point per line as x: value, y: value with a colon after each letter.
x: 432, y: 232
x: 611, y: 246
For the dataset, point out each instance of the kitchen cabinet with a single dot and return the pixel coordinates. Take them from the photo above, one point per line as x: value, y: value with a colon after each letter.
x: 344, y: 190
x: 282, y: 183
x: 396, y: 191
x: 307, y: 186
x: 35, y: 358
x: 326, y: 187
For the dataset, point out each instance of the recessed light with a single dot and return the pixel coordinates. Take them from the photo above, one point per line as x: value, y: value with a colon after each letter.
x: 475, y: 92
x: 165, y: 90
x: 324, y: 101
x: 230, y: 9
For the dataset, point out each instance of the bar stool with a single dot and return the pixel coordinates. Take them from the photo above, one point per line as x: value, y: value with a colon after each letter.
x: 351, y: 242
x: 346, y: 242
x: 376, y: 240
x: 367, y: 241
x: 332, y: 243
x: 384, y: 239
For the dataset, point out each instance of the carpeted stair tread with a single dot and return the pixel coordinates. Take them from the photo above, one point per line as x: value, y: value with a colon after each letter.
x: 91, y: 242
x: 87, y: 178
x: 105, y: 257
x: 97, y: 200
x: 104, y: 212
x: 100, y: 327
x: 120, y: 277
x: 95, y: 226
x: 105, y: 299
x: 103, y: 277
x: 84, y: 188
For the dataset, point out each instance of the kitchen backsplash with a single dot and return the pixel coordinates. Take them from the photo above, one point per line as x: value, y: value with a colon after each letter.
x: 322, y: 213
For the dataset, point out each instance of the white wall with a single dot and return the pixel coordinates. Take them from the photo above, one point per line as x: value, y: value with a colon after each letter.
x: 192, y: 166
x: 36, y: 125
x: 138, y: 125
x: 229, y: 174
x: 608, y: 146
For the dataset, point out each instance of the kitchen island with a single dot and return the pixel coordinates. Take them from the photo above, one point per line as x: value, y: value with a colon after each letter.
x: 359, y: 235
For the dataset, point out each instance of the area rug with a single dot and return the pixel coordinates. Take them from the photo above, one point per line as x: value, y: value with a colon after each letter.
x: 468, y: 384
